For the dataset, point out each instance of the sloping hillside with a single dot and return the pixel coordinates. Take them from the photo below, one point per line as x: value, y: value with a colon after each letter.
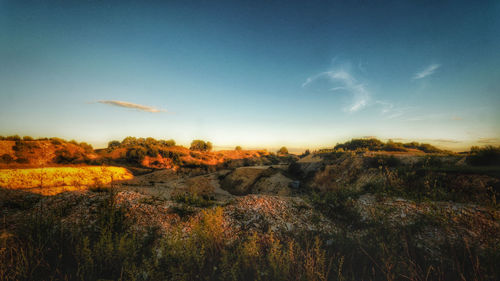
x: 45, y: 152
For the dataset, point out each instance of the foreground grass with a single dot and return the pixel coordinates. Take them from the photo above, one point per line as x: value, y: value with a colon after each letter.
x: 45, y: 247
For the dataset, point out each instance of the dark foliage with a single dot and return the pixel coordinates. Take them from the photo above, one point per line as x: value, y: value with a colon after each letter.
x: 6, y: 158
x: 485, y: 156
x: 201, y: 145
x: 372, y: 144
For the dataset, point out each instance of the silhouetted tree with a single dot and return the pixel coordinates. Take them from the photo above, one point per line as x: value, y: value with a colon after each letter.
x: 167, y: 142
x: 13, y: 138
x: 283, y: 151
x: 114, y: 144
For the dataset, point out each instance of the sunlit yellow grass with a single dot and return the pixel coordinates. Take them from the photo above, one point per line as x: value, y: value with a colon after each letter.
x: 54, y: 180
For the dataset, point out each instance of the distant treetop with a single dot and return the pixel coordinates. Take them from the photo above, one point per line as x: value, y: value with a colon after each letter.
x: 201, y: 145
x: 283, y: 151
x: 373, y: 144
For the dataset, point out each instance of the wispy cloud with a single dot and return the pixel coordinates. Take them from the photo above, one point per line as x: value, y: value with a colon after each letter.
x: 125, y: 104
x: 488, y: 140
x: 342, y: 80
x: 445, y: 141
x: 435, y: 116
x: 429, y: 70
x: 432, y: 116
x: 390, y: 111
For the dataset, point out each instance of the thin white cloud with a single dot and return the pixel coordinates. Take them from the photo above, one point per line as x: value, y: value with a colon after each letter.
x: 132, y: 105
x: 488, y: 140
x: 343, y: 80
x: 426, y: 117
x: 429, y: 70
x: 445, y: 140
x: 391, y: 111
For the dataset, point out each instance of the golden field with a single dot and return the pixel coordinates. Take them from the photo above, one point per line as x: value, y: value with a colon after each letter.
x: 53, y: 180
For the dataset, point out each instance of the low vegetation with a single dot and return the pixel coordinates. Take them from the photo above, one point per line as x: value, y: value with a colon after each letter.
x: 416, y: 213
x: 201, y: 145
x: 283, y: 151
x: 484, y: 156
x: 372, y: 144
x: 44, y: 180
x: 28, y: 152
x: 42, y: 248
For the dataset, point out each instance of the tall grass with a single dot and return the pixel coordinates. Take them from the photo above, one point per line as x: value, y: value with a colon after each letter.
x: 43, y: 246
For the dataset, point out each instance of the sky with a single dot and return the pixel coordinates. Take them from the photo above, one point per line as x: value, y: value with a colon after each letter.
x: 260, y: 74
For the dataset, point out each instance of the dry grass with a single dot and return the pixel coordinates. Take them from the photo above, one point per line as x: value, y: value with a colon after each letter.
x: 53, y: 180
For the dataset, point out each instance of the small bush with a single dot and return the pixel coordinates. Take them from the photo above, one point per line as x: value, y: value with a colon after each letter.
x: 282, y: 151
x: 394, y: 146
x: 383, y: 161
x: 201, y: 145
x: 86, y: 147
x: 6, y: 158
x: 63, y: 156
x: 114, y: 144
x: 136, y: 154
x: 337, y: 204
x: 167, y: 143
x: 192, y: 200
x: 13, y: 138
x: 22, y: 161
x: 486, y: 156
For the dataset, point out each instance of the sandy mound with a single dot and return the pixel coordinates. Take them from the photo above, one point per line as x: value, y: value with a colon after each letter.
x: 275, y: 213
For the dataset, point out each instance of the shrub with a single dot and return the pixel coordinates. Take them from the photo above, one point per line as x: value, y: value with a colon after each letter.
x: 486, y: 156
x: 174, y: 155
x: 13, y: 138
x: 337, y: 204
x: 129, y: 141
x: 152, y: 151
x: 167, y: 143
x: 384, y: 161
x: 192, y: 200
x: 394, y: 146
x: 27, y: 138
x: 238, y: 148
x: 63, y: 156
x: 56, y: 141
x: 430, y: 162
x: 86, y: 147
x: 114, y: 144
x: 136, y: 154
x: 201, y: 145
x: 6, y: 158
x: 371, y: 144
x: 282, y: 151
x: 22, y: 146
x: 22, y: 160
x: 427, y: 148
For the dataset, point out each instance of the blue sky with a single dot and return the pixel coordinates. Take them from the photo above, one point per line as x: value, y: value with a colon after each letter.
x: 255, y: 73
